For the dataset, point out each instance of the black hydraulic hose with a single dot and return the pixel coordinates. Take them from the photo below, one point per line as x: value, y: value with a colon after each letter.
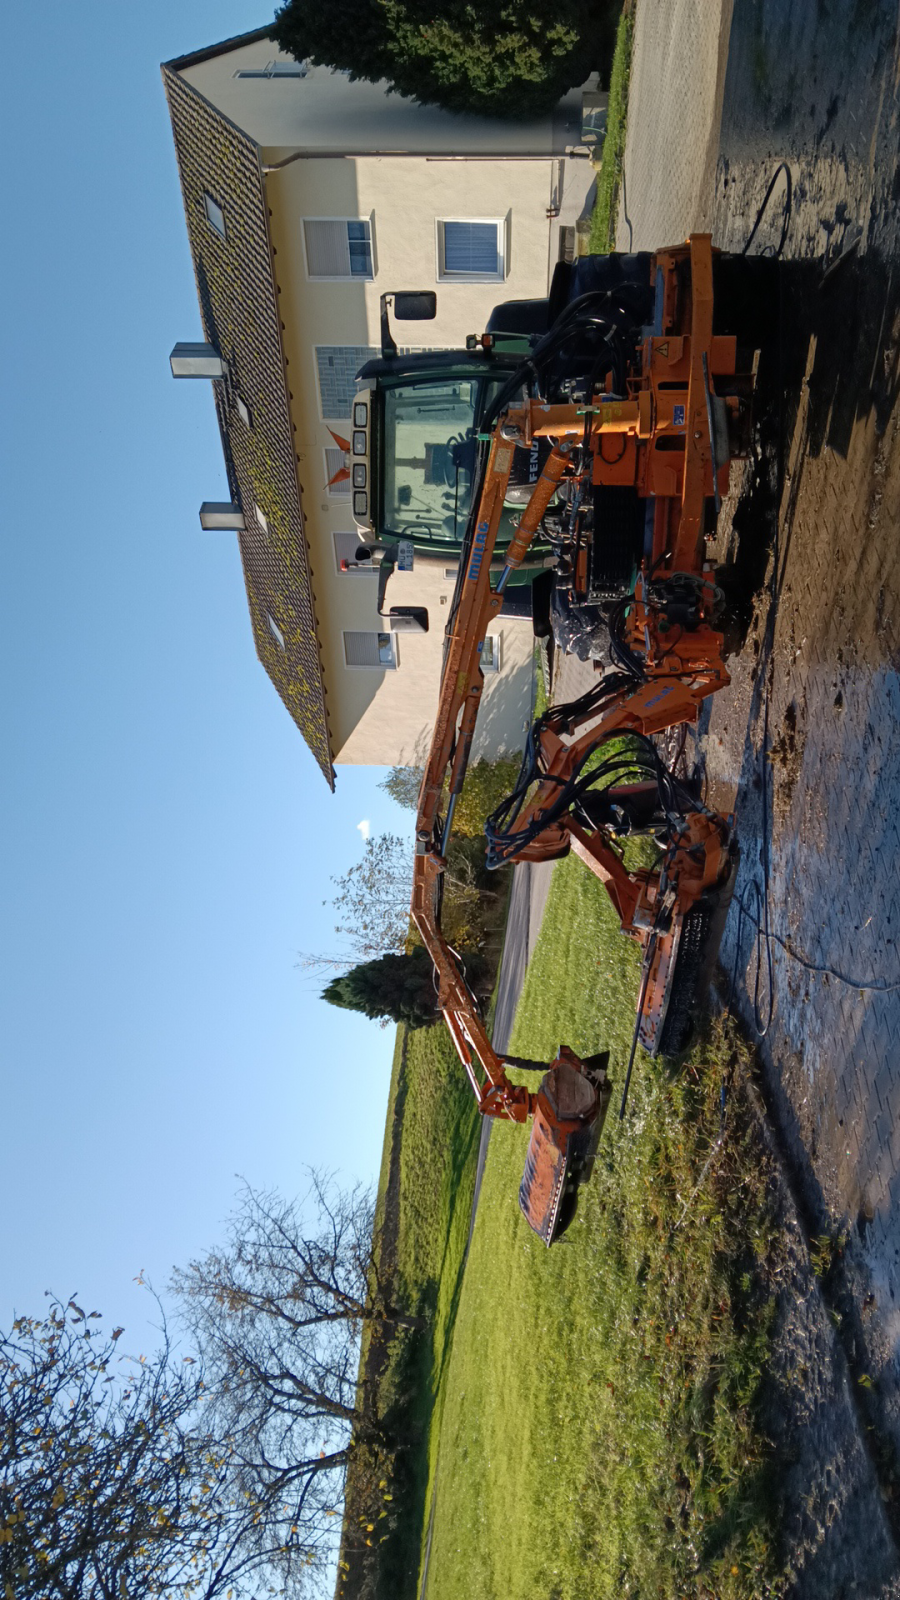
x: 788, y: 202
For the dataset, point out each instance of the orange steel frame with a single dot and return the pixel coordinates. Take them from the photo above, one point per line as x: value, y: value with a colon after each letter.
x: 678, y: 674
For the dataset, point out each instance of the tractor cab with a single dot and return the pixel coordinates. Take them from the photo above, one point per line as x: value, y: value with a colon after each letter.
x: 415, y: 439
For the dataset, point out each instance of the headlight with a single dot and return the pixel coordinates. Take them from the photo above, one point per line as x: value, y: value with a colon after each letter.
x: 359, y: 475
x: 360, y: 505
x: 359, y: 444
x: 360, y: 416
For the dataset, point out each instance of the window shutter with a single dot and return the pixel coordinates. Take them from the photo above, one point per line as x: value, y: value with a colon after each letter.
x: 368, y: 650
x: 338, y: 249
x: 471, y: 247
x: 336, y: 461
x: 327, y: 250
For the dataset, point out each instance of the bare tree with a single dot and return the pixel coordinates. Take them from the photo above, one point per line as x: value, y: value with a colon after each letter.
x: 403, y: 785
x: 373, y: 897
x: 111, y: 1483
x: 278, y: 1315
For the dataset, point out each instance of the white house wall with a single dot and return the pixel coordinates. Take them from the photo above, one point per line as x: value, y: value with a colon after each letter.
x: 376, y: 715
x: 383, y: 715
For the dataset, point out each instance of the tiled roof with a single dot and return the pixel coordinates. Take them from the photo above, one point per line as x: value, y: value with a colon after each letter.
x: 239, y: 308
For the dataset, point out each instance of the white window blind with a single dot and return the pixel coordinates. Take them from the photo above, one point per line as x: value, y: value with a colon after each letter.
x: 337, y: 462
x: 471, y: 251
x: 338, y: 249
x: 345, y: 548
x: 369, y: 650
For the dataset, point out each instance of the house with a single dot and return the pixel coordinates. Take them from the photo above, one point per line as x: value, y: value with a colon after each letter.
x: 306, y: 197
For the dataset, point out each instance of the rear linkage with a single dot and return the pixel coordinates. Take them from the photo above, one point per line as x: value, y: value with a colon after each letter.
x: 591, y: 774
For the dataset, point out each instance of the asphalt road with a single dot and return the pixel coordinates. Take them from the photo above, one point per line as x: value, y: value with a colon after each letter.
x: 531, y: 885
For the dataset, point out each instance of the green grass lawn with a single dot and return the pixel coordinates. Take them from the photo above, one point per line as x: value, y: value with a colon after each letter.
x: 596, y: 1416
x: 424, y: 1207
x: 603, y: 221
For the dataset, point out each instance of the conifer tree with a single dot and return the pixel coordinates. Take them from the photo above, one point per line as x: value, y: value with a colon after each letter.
x: 515, y: 59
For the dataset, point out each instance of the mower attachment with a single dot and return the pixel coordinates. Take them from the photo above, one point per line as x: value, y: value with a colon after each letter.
x: 569, y: 1113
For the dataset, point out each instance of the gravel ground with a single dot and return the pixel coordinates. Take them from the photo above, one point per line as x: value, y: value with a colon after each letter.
x: 804, y: 743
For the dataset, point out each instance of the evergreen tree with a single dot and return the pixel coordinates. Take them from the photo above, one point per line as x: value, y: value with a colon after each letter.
x: 515, y: 60
x: 399, y: 987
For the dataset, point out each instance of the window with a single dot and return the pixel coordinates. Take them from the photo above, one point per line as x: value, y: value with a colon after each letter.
x: 337, y: 471
x: 348, y: 557
x: 243, y: 411
x: 276, y: 632
x: 338, y: 249
x: 215, y: 216
x: 490, y: 653
x: 471, y: 252
x: 261, y: 519
x: 276, y: 69
x: 337, y: 366
x: 370, y: 650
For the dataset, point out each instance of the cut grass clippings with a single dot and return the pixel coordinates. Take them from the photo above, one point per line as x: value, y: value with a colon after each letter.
x: 598, y: 1419
x: 603, y: 220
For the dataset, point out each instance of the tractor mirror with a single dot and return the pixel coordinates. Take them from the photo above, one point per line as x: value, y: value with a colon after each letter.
x: 415, y: 306
x: 408, y: 619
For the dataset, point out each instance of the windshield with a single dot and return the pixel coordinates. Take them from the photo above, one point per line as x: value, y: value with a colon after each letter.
x: 428, y: 458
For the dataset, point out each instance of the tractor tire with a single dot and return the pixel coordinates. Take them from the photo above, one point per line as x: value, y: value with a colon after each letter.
x: 541, y: 595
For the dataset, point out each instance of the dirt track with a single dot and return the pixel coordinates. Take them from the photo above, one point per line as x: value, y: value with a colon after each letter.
x: 805, y: 742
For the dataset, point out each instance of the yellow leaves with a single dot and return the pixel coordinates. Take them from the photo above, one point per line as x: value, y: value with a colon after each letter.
x: 59, y: 1498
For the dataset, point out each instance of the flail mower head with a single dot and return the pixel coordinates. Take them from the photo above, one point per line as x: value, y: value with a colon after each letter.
x: 681, y: 963
x: 568, y: 1117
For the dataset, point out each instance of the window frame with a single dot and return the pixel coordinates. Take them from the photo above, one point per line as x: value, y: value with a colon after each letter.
x: 275, y: 69
x: 353, y: 572
x: 341, y: 491
x: 208, y: 200
x: 381, y: 666
x: 348, y: 277
x: 495, y: 664
x: 276, y: 633
x: 443, y: 276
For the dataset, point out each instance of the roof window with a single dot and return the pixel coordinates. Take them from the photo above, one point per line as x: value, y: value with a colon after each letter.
x: 215, y: 216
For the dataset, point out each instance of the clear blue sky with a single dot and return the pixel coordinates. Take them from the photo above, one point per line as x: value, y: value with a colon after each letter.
x: 168, y: 838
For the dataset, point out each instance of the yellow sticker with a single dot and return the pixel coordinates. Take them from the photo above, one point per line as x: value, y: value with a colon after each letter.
x: 504, y: 459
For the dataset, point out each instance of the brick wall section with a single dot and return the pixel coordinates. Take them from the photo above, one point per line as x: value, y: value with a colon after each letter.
x: 337, y: 367
x: 238, y: 304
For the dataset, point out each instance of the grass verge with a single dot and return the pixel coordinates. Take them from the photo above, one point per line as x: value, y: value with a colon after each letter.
x: 598, y: 1423
x: 424, y: 1206
x: 603, y: 221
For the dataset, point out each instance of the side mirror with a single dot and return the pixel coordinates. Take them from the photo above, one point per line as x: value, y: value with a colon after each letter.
x: 408, y: 619
x: 410, y: 306
x: 419, y: 305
